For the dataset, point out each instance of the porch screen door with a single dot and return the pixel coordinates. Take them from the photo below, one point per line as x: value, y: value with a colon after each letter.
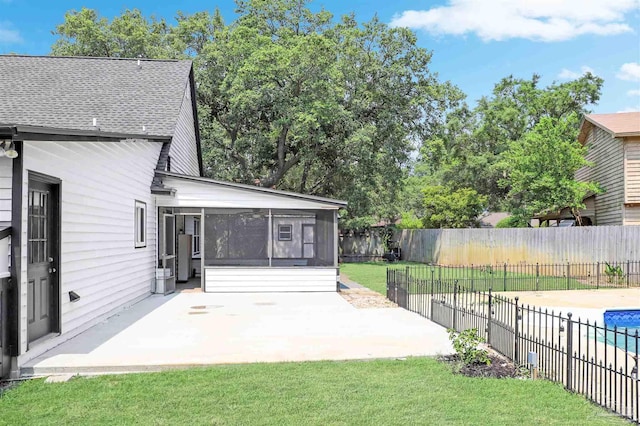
x: 168, y: 255
x: 308, y: 241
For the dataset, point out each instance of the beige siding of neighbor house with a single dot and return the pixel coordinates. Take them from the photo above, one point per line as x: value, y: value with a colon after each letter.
x: 632, y: 215
x: 607, y: 154
x: 632, y: 170
x: 100, y: 182
x: 184, y: 151
x: 6, y: 170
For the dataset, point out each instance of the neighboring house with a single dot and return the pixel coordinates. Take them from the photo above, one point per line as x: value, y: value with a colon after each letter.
x: 613, y: 142
x: 101, y: 192
x: 490, y: 220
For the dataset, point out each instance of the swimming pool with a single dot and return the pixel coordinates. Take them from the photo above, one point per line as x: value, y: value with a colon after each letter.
x: 622, y: 327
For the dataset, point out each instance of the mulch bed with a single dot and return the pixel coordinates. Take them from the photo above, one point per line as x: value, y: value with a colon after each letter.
x: 500, y: 367
x: 364, y: 298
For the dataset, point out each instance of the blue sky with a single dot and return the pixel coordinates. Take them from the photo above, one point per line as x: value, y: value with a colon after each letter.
x: 475, y: 43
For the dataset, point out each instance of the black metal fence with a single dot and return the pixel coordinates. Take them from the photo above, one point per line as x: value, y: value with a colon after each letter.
x: 533, y: 277
x: 586, y: 357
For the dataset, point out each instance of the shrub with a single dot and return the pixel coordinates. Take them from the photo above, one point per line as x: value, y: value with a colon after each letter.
x: 613, y: 273
x: 512, y: 222
x: 466, y: 346
x: 409, y: 220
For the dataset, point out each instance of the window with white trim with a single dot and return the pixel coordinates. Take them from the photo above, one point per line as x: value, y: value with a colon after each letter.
x: 196, y: 236
x: 140, y: 224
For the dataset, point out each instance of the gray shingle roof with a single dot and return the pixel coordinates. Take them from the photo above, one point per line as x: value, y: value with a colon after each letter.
x: 69, y: 92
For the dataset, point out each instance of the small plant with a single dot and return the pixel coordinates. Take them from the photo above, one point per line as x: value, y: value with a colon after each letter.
x: 466, y: 344
x: 487, y: 269
x: 613, y: 272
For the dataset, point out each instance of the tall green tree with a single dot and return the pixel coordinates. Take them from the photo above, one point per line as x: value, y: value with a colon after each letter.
x: 540, y: 169
x: 447, y: 208
x: 325, y: 108
x: 474, y: 142
x: 131, y: 35
x: 291, y: 98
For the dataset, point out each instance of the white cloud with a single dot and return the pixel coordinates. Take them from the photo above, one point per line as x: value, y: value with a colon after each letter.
x: 540, y: 20
x: 629, y: 71
x: 567, y: 74
x: 633, y: 92
x: 8, y: 35
x: 631, y: 109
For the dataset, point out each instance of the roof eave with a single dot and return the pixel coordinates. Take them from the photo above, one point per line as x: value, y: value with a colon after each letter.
x: 196, y: 123
x: 24, y: 132
x: 337, y: 203
x: 626, y: 134
x: 585, y: 126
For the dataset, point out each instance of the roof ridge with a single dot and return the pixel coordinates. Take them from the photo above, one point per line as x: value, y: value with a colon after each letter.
x: 613, y: 113
x: 106, y: 58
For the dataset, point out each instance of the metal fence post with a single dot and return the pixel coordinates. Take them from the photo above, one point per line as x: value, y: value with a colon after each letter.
x: 537, y: 277
x: 505, y: 277
x: 455, y: 305
x: 568, y: 274
x: 388, y: 275
x: 395, y: 290
x: 489, y: 318
x: 628, y: 270
x: 597, y: 274
x: 432, y: 274
x: 472, y: 288
x: 516, y: 333
x: 569, y: 351
x: 406, y: 287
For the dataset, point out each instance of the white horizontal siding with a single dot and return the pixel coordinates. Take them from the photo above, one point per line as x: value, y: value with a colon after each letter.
x: 632, y: 172
x: 184, y: 149
x: 100, y: 183
x: 203, y: 194
x: 6, y: 170
x: 234, y: 280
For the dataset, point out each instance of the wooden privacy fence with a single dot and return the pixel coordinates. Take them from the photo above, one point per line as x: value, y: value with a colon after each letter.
x: 519, y: 245
x: 362, y: 247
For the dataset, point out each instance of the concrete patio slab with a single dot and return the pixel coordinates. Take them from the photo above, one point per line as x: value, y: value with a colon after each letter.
x: 190, y: 329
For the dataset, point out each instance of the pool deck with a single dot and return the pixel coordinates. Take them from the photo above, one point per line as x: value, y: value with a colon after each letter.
x: 583, y: 304
x: 602, y: 298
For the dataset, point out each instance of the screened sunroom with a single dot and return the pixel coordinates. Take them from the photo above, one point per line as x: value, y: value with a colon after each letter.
x: 239, y: 238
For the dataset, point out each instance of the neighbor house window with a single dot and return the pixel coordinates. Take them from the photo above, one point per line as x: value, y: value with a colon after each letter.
x: 196, y: 235
x: 140, y: 224
x: 285, y: 232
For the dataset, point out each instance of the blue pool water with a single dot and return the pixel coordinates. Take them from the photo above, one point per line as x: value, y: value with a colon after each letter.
x: 626, y: 320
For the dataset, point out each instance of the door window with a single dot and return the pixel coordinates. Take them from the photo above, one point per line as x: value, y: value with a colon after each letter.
x: 37, y: 246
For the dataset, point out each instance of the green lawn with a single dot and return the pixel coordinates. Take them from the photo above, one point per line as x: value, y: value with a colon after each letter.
x: 373, y: 275
x: 383, y: 392
x: 370, y: 274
